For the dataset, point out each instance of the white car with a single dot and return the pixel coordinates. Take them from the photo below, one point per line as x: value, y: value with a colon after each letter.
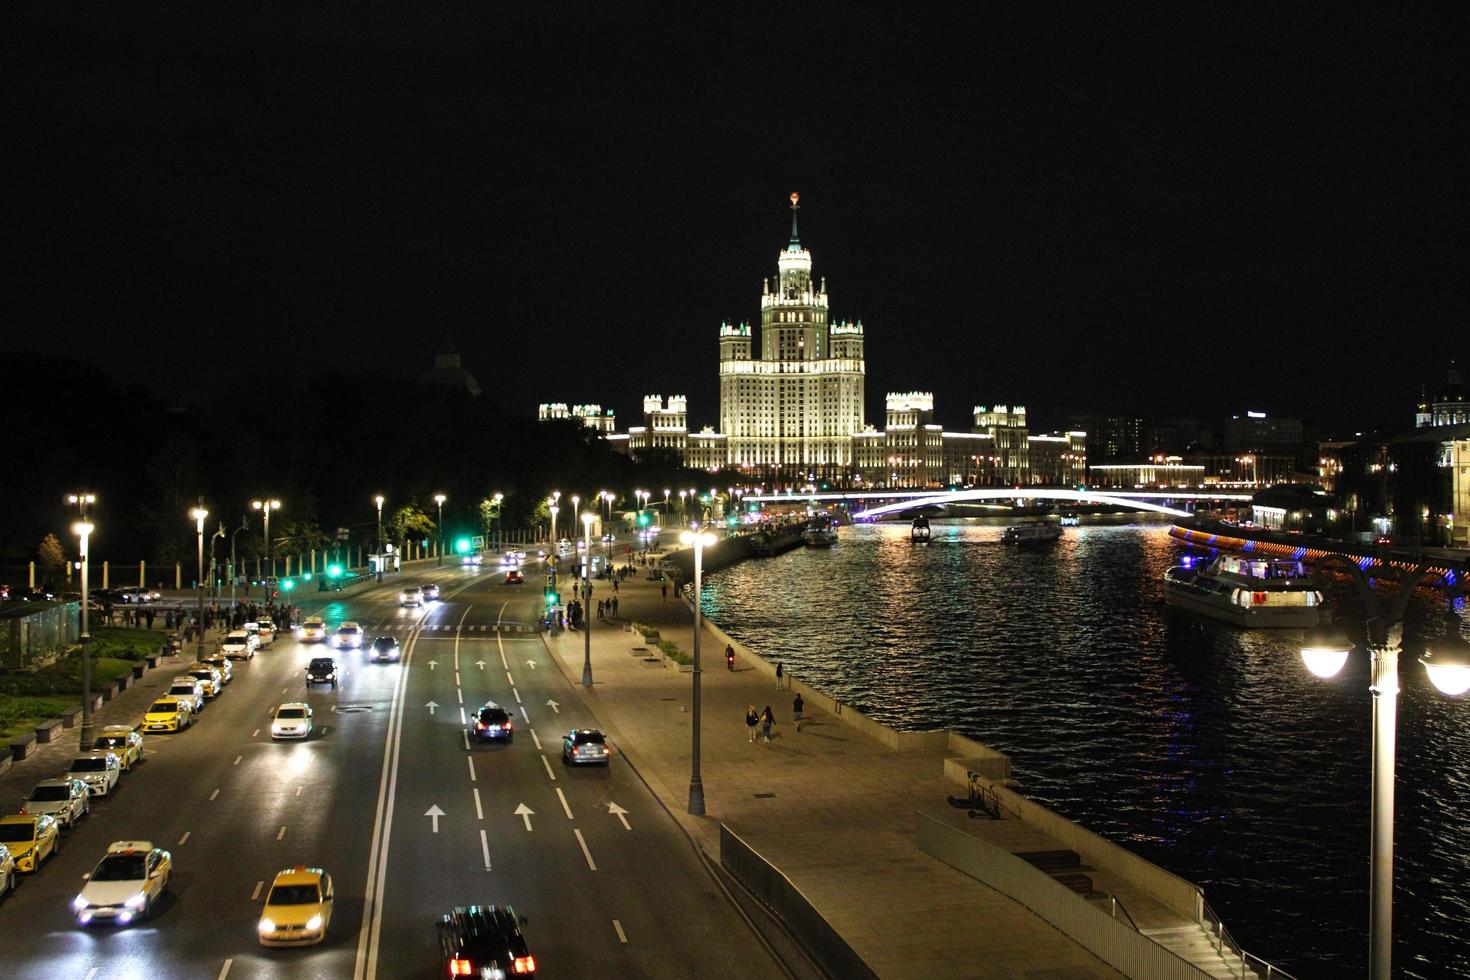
x: 9, y: 873
x: 125, y: 884
x: 348, y: 636
x: 312, y: 630
x: 411, y: 596
x: 66, y: 799
x: 292, y: 720
x: 238, y: 645
x: 187, y: 688
x: 99, y: 770
x: 471, y: 559
x: 267, y: 633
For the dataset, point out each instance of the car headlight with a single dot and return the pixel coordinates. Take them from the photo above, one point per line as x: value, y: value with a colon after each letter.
x: 314, y: 923
x: 79, y: 903
x: 331, y: 677
x: 266, y: 925
x: 135, y: 901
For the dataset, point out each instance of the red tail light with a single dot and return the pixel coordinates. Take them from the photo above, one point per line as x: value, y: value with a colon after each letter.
x: 459, y: 968
x: 525, y: 964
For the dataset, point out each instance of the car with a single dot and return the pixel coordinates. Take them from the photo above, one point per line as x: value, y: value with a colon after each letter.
x: 100, y: 770
x: 609, y: 537
x: 9, y: 873
x: 31, y: 837
x: 585, y: 746
x: 509, y: 560
x: 168, y: 714
x: 209, y: 679
x: 298, y: 908
x: 313, y: 630
x: 431, y: 592
x: 484, y: 941
x: 348, y: 636
x: 291, y: 720
x: 133, y: 595
x: 411, y: 595
x: 186, y: 687
x: 238, y: 645
x: 515, y: 577
x: 471, y: 560
x: 220, y: 663
x: 491, y: 721
x: 266, y: 634
x: 321, y: 670
x: 385, y: 648
x: 67, y: 799
x: 124, y: 742
x: 125, y: 885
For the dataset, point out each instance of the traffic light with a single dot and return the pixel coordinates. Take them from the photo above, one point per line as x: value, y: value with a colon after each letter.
x: 552, y: 599
x: 306, y: 576
x: 462, y: 545
x: 644, y: 519
x: 287, y: 584
x: 334, y: 570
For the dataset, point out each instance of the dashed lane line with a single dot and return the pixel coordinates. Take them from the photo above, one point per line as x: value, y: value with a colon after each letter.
x: 517, y: 692
x: 563, y: 797
x: 182, y: 839
x: 471, y: 760
x: 214, y: 796
x: 466, y: 736
x: 485, y: 849
x: 237, y: 760
x: 255, y: 733
x: 281, y: 833
x: 585, y: 853
x: 479, y: 813
x: 528, y: 721
x: 618, y: 927
x: 509, y: 679
x: 459, y: 693
x: 254, y: 895
x: 534, y: 737
x: 462, y: 719
x: 224, y: 971
x: 548, y: 767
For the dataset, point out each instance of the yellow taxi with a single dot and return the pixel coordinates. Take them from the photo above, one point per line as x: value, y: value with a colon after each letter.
x: 31, y: 838
x: 297, y: 908
x: 123, y: 742
x: 168, y: 714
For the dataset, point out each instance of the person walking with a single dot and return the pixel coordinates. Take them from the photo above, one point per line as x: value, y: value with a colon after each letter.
x: 778, y: 673
x: 615, y: 605
x: 664, y: 591
x: 767, y: 720
x: 797, y: 706
x: 751, y: 720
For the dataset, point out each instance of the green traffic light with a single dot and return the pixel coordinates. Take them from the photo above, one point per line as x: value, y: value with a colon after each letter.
x: 287, y: 585
x: 334, y: 571
x: 462, y: 545
x: 306, y: 576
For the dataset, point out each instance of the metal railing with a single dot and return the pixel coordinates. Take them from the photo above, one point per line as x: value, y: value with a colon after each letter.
x: 1251, y: 966
x: 1117, y: 906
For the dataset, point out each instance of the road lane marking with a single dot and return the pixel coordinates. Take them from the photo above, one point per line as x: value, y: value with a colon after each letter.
x: 91, y: 974
x: 620, y: 813
x: 182, y: 839
x: 213, y: 796
x: 548, y: 768
x: 300, y: 788
x: 255, y: 733
x: 224, y: 971
x: 528, y: 721
x: 525, y: 813
x: 281, y: 833
x: 585, y: 853
x: 485, y: 848
x: 456, y: 677
x: 534, y: 736
x: 466, y: 736
x: 517, y: 692
x: 285, y: 690
x: 563, y: 797
x: 622, y: 938
x: 462, y: 719
x: 256, y: 894
x: 459, y: 693
x: 479, y: 813
x: 471, y: 760
x: 458, y: 627
x: 509, y: 679
x: 237, y: 760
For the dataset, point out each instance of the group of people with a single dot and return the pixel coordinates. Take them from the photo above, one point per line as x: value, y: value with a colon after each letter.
x: 766, y: 719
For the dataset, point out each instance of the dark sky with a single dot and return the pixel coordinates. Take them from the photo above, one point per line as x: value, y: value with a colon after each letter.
x: 1078, y: 208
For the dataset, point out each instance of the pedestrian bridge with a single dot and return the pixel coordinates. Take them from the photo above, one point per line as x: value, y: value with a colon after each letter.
x: 991, y: 494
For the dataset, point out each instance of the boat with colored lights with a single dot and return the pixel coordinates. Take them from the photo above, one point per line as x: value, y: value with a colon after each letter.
x: 919, y: 530
x: 1033, y: 532
x: 821, y: 531
x: 1252, y: 592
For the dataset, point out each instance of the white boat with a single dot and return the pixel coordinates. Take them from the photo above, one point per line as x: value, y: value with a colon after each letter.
x: 1036, y: 532
x: 1253, y: 592
x: 919, y: 530
x: 821, y: 532
x: 1071, y: 520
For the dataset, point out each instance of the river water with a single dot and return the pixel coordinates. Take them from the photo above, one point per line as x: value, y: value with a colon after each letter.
x: 1205, y: 748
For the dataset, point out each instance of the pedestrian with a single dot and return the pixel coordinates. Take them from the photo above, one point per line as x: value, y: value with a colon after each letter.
x: 601, y: 608
x: 751, y: 720
x: 615, y: 585
x: 797, y: 706
x: 664, y: 591
x: 150, y: 619
x: 778, y: 673
x: 767, y: 720
x: 615, y: 605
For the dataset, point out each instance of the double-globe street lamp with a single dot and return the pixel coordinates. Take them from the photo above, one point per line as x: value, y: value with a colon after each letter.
x: 439, y: 499
x: 699, y: 540
x: 1325, y: 650
x: 378, y: 499
x: 199, y: 514
x: 265, y: 506
x: 82, y: 528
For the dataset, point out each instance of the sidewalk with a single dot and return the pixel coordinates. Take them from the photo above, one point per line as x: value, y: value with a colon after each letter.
x: 831, y: 808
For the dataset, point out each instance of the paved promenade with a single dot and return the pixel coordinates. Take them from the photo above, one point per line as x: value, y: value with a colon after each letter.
x: 831, y: 808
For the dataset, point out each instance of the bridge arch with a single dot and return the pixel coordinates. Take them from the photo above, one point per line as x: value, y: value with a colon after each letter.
x: 1013, y: 493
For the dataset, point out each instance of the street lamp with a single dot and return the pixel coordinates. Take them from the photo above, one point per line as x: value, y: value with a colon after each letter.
x: 244, y: 523
x: 700, y: 540
x: 683, y: 500
x: 378, y: 499
x: 265, y: 507
x: 82, y: 528
x: 499, y: 544
x: 439, y: 499
x: 199, y: 514
x: 587, y: 520
x: 1325, y: 650
x: 554, y: 509
x: 666, y: 504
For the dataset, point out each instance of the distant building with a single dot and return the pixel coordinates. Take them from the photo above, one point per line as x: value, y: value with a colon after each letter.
x: 1111, y: 438
x: 1159, y: 473
x: 1414, y: 485
x: 1294, y: 507
x: 1449, y: 405
x: 592, y: 416
x: 448, y: 372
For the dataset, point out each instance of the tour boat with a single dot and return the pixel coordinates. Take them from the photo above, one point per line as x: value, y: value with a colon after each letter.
x: 919, y: 530
x: 1071, y: 520
x: 1036, y: 532
x: 820, y: 532
x: 1254, y: 592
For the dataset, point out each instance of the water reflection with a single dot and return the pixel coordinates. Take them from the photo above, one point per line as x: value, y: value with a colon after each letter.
x: 1206, y: 748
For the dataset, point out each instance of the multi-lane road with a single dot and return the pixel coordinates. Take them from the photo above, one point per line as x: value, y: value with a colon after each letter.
x: 409, y: 815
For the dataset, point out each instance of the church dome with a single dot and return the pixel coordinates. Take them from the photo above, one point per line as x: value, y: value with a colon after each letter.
x: 448, y: 372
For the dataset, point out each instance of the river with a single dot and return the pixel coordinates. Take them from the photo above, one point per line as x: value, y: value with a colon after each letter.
x: 1207, y: 749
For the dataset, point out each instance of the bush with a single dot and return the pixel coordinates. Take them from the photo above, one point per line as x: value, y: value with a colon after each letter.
x: 63, y: 677
x: 649, y: 633
x: 126, y: 644
x: 673, y: 652
x: 20, y: 714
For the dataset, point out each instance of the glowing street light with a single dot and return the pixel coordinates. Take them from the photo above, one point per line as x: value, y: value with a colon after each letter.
x: 699, y: 540
x: 439, y: 499
x: 265, y: 507
x: 199, y: 514
x: 83, y: 528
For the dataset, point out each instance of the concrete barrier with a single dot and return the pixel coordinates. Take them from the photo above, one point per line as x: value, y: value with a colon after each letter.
x: 70, y: 717
x: 21, y: 746
x: 47, y: 730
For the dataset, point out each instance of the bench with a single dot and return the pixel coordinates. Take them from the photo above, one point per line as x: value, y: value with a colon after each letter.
x: 22, y: 746
x: 138, y: 670
x: 47, y: 730
x: 69, y: 717
x: 152, y: 660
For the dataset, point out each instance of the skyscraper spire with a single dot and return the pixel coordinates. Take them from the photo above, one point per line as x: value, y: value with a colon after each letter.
x: 794, y: 208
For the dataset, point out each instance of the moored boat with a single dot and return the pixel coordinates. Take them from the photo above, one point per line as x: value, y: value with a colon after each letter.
x: 1035, y: 532
x: 1250, y: 592
x: 821, y: 532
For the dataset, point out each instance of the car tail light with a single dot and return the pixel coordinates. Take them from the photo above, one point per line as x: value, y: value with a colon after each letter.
x: 479, y: 726
x: 459, y: 968
x: 525, y: 964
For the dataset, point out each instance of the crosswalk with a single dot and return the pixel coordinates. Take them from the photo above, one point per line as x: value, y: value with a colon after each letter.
x: 449, y: 628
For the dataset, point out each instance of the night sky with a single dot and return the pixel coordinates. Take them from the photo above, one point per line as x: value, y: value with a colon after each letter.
x: 1080, y: 209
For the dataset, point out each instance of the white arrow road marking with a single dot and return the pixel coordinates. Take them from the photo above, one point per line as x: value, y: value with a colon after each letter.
x: 480, y: 664
x: 620, y: 813
x: 256, y: 894
x: 531, y: 664
x: 585, y: 853
x: 563, y: 797
x: 525, y: 813
x: 622, y: 938
x: 554, y: 706
x: 433, y: 664
x: 548, y: 767
x: 479, y: 813
x: 534, y: 737
x: 471, y: 760
x: 431, y: 705
x: 485, y: 849
x: 434, y: 813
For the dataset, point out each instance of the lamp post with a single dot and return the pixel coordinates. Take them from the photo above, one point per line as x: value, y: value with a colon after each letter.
x: 499, y: 544
x: 82, y: 528
x: 219, y: 532
x: 666, y: 505
x: 683, y: 508
x: 199, y: 514
x: 587, y: 520
x: 265, y: 506
x: 244, y: 523
x: 699, y: 539
x: 1324, y: 651
x: 378, y: 499
x: 439, y: 499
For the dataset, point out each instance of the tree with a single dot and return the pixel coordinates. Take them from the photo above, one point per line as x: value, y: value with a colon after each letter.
x: 52, y: 560
x: 409, y: 522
